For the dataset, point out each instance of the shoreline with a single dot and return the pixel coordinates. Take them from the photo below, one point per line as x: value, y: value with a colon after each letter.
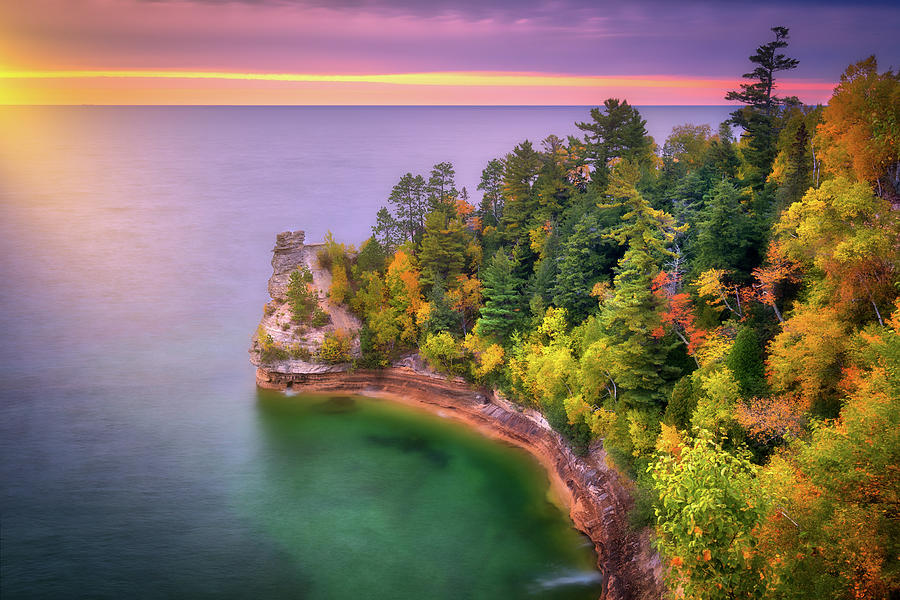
x: 595, y: 495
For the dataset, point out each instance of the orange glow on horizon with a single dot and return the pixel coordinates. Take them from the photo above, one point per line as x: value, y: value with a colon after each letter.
x: 107, y: 86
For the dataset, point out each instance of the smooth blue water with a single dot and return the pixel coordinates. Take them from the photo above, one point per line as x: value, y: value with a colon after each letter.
x: 134, y: 252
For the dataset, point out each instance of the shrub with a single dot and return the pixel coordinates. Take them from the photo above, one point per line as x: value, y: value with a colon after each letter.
x: 441, y: 351
x: 269, y: 349
x: 335, y: 348
x: 320, y: 318
x: 299, y: 352
x: 301, y: 296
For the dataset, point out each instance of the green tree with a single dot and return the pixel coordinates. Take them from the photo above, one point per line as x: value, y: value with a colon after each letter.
x: 708, y: 509
x: 441, y: 188
x: 637, y: 361
x: 372, y: 256
x: 408, y: 198
x: 745, y: 359
x: 520, y: 172
x: 759, y: 116
x: 795, y: 166
x: 504, y: 307
x: 553, y: 187
x: 727, y: 237
x: 491, y: 207
x: 616, y: 131
x: 587, y: 257
x: 387, y: 231
x: 443, y: 253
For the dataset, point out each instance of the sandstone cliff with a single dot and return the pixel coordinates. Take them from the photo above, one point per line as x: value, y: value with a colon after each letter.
x: 297, y: 343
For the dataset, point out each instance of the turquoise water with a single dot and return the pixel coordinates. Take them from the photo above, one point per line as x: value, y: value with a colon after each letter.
x: 136, y: 458
x: 378, y: 501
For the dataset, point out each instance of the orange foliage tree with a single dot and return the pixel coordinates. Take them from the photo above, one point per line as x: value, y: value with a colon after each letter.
x: 677, y: 312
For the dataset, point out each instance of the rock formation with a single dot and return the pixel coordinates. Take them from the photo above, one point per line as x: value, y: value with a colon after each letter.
x: 297, y: 343
x: 286, y: 256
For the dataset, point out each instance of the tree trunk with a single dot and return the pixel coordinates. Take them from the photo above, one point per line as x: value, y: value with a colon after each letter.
x: 777, y: 312
x: 877, y: 313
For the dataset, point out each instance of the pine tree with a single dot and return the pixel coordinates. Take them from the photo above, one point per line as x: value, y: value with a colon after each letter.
x: 443, y: 252
x: 520, y: 202
x: 587, y: 256
x: 618, y: 131
x: 408, y: 200
x: 386, y: 231
x: 504, y: 306
x: 727, y: 237
x: 636, y: 360
x: 441, y: 188
x: 759, y: 116
x: 491, y: 207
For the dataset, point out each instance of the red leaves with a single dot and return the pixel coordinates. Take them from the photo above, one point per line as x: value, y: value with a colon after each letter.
x: 779, y: 269
x: 677, y: 311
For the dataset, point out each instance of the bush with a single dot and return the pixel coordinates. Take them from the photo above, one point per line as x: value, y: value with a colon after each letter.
x: 299, y: 352
x: 441, y: 351
x: 320, y: 318
x: 335, y: 348
x: 334, y: 254
x: 269, y: 349
x: 301, y: 296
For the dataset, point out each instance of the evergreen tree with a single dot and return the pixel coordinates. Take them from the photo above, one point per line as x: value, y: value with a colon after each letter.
x: 746, y: 363
x: 387, y: 231
x: 759, y: 116
x: 520, y: 203
x: 441, y: 317
x: 617, y: 131
x: 727, y: 236
x: 504, y: 306
x: 552, y: 185
x: 794, y: 165
x: 441, y: 188
x: 408, y: 199
x: 372, y: 255
x: 587, y: 256
x: 491, y: 207
x: 443, y: 252
x: 637, y: 361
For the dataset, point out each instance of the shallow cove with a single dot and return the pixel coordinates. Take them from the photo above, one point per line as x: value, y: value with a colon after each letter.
x: 378, y: 500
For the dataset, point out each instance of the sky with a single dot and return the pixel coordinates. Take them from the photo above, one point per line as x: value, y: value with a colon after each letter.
x: 468, y: 52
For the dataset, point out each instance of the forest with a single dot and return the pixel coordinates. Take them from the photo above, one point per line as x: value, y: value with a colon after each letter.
x: 722, y: 311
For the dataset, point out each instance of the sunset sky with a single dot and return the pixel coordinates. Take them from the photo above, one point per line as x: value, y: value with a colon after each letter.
x: 556, y: 52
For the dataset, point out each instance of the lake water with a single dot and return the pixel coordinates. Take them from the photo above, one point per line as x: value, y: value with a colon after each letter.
x: 136, y: 456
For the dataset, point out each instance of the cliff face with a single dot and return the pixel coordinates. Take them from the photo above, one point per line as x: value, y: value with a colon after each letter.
x: 597, y: 497
x: 299, y: 342
x: 287, y: 254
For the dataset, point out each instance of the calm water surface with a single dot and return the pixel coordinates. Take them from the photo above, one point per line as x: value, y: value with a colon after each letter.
x: 136, y: 456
